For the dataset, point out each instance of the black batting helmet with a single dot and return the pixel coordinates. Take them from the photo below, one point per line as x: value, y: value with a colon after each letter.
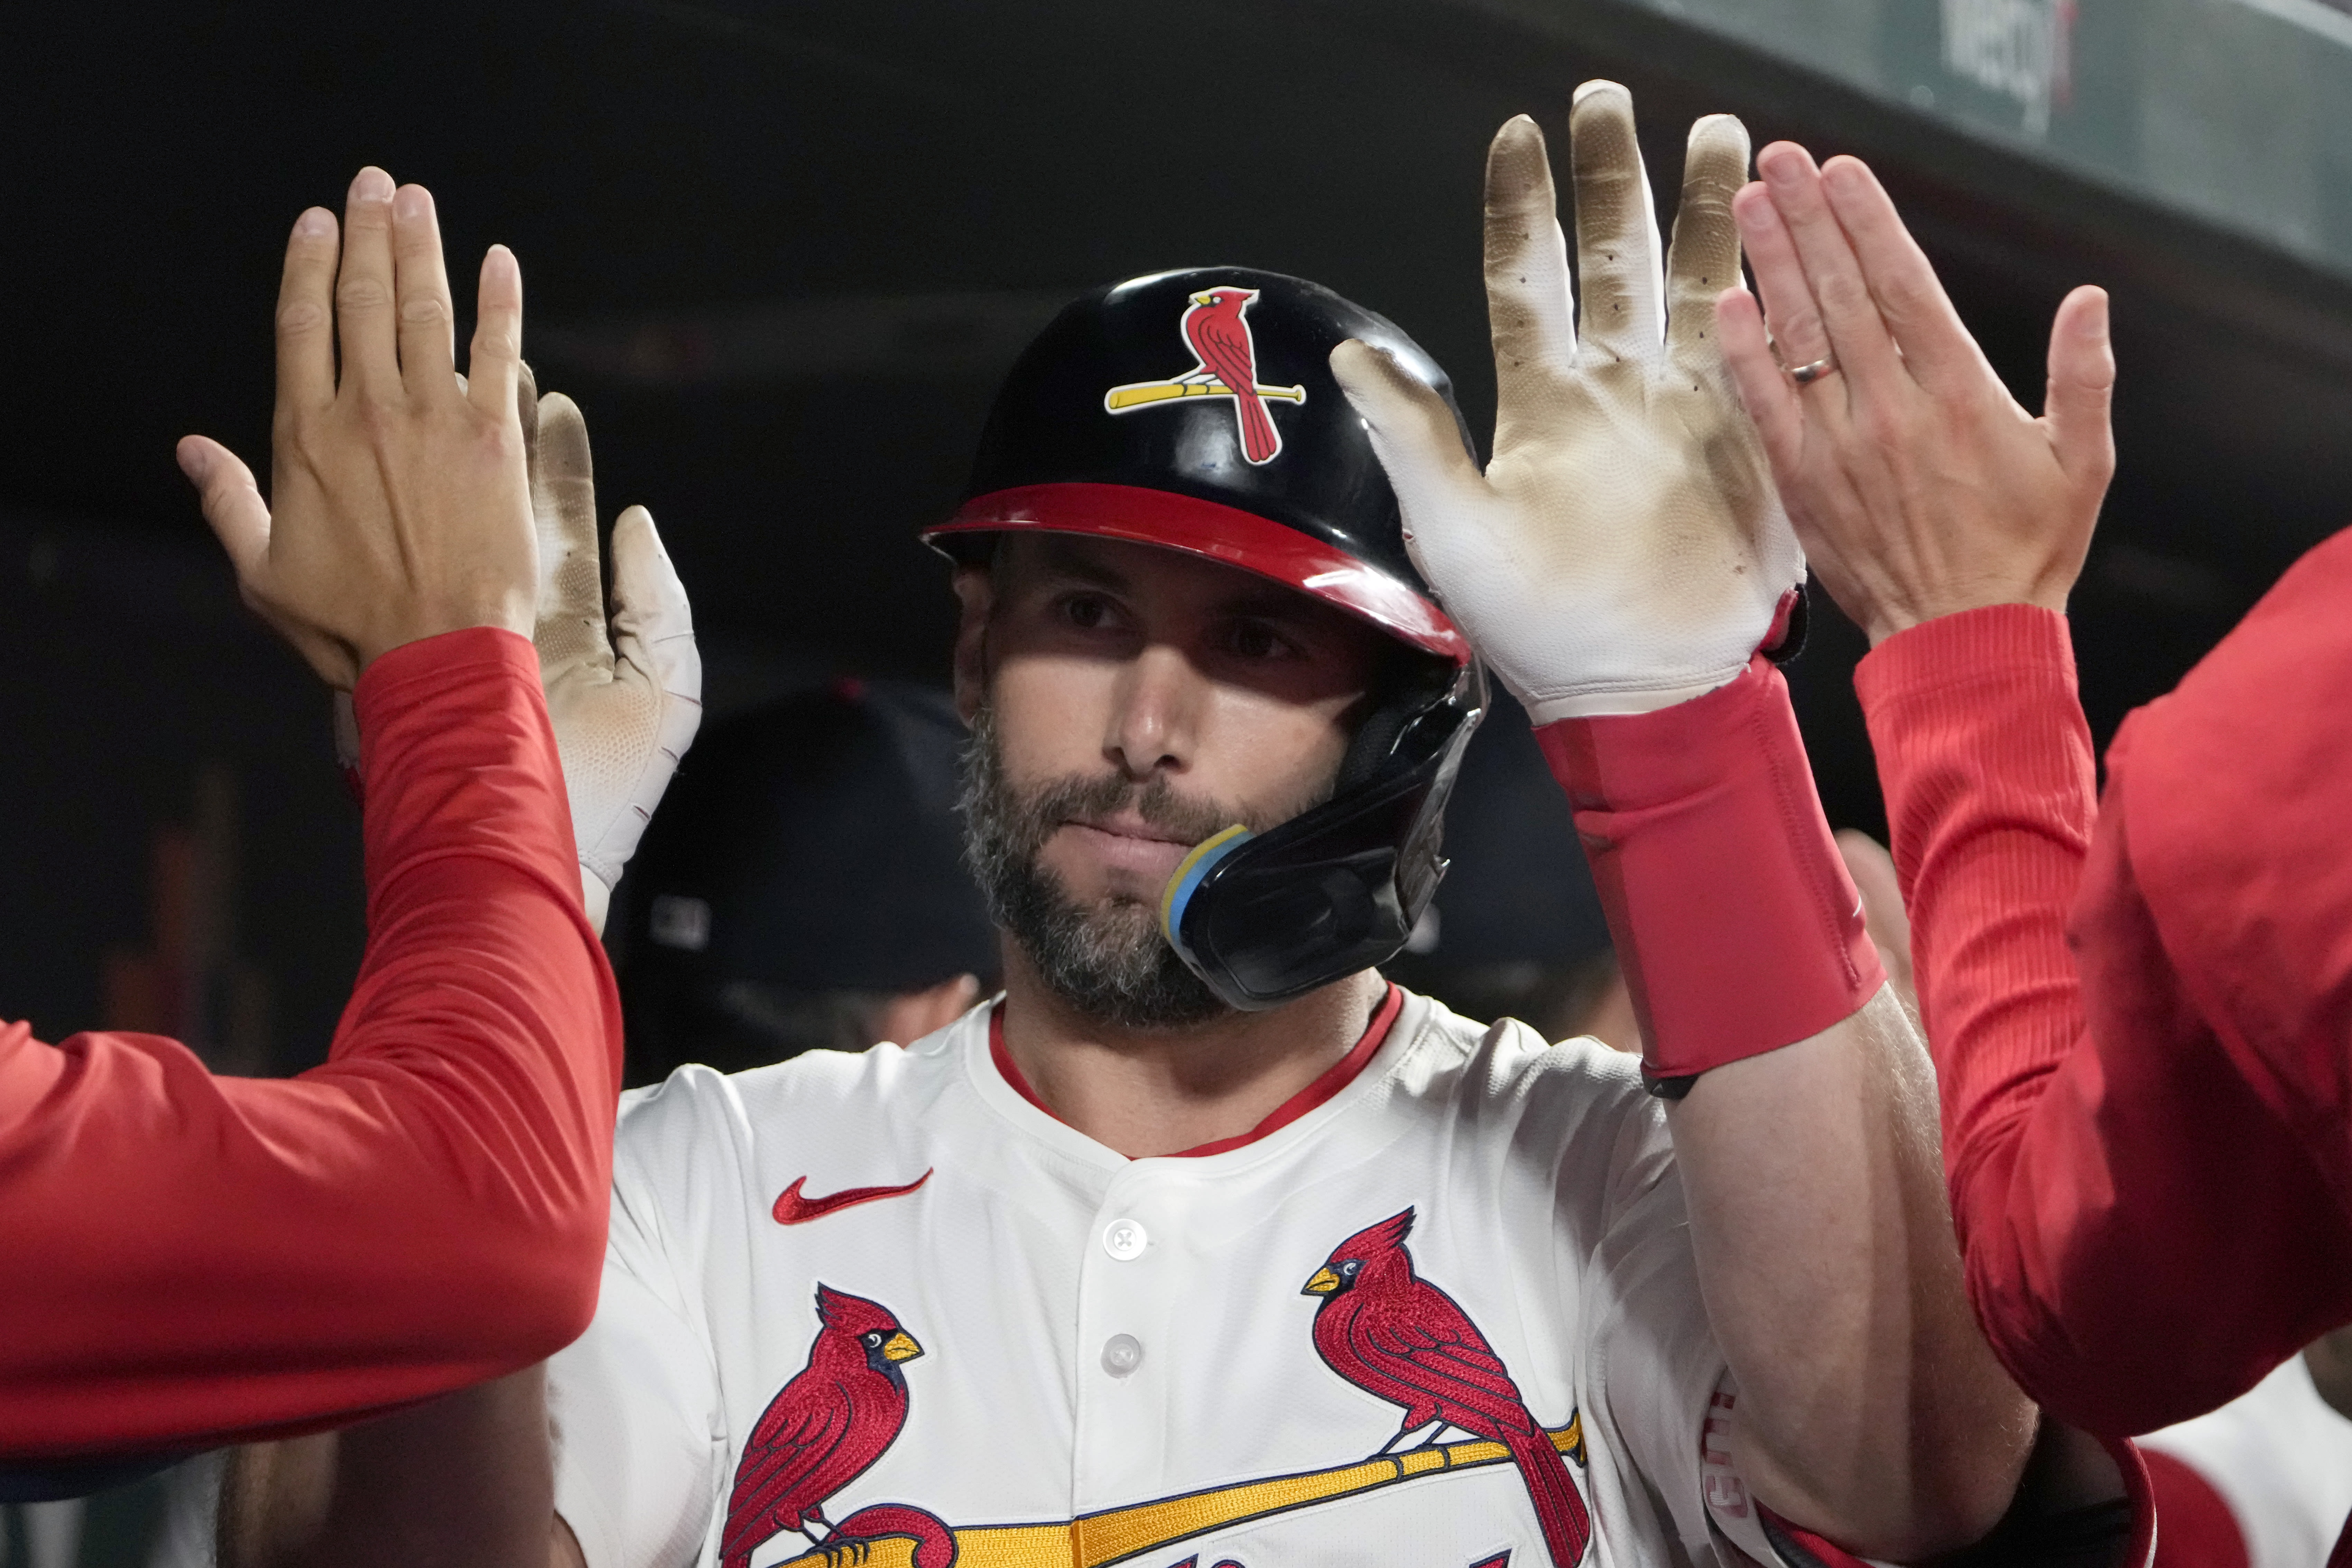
x: 1196, y: 411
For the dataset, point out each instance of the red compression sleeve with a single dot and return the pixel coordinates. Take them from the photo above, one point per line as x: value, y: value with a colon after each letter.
x: 192, y: 1259
x: 2102, y: 1149
x: 1735, y: 920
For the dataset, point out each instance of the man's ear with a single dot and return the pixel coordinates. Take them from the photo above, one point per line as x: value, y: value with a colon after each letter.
x: 975, y: 592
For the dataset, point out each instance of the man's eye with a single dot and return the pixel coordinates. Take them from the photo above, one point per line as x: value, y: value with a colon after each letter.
x: 1084, y: 611
x: 1254, y: 639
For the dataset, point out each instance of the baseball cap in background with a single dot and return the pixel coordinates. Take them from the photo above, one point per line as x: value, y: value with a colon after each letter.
x: 806, y: 869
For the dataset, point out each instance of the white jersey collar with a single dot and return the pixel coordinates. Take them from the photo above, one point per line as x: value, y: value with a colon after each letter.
x: 968, y: 1037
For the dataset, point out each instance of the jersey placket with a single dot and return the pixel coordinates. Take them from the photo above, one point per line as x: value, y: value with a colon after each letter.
x: 1130, y: 1288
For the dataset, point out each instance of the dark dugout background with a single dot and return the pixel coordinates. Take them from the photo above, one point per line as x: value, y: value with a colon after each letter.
x: 779, y: 253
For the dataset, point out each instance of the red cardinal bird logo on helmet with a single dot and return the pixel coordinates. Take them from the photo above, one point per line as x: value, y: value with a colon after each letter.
x: 1218, y: 333
x: 824, y: 1427
x: 1395, y: 1335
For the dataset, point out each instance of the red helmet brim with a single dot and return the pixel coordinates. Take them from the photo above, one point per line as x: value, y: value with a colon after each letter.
x: 1214, y: 532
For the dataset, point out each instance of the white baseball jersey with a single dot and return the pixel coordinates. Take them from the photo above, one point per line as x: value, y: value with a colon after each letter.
x: 2281, y: 1457
x: 1035, y: 1352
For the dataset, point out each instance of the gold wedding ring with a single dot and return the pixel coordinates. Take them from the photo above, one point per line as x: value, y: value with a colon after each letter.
x: 1806, y: 374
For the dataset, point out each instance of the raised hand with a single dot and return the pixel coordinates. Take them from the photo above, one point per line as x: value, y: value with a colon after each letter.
x: 398, y: 505
x: 625, y: 702
x: 1917, y: 484
x: 1623, y: 550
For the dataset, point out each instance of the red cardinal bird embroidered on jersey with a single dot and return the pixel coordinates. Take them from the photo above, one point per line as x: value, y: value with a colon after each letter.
x: 1395, y: 1335
x: 933, y: 1541
x: 824, y: 1427
x: 1216, y: 330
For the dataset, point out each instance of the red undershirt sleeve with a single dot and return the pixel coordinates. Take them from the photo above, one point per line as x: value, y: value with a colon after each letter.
x: 2138, y: 1225
x: 191, y: 1259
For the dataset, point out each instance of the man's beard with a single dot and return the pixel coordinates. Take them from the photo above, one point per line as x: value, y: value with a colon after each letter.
x: 1108, y: 963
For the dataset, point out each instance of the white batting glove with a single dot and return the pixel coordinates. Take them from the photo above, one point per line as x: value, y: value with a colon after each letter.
x: 1625, y: 549
x: 625, y: 706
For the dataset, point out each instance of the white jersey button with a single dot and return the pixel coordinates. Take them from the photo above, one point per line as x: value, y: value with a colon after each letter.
x: 1122, y: 1353
x: 1125, y: 1240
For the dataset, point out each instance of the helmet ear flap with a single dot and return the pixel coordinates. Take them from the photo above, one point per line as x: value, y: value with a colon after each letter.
x: 1263, y: 918
x: 1409, y: 682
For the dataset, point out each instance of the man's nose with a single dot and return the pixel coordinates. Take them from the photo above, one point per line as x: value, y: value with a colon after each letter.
x: 1156, y: 713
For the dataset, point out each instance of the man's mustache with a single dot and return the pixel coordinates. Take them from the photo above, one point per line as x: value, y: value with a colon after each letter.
x: 1156, y: 802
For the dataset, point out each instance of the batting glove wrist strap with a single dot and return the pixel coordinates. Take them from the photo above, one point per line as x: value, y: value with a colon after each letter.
x: 1736, y: 925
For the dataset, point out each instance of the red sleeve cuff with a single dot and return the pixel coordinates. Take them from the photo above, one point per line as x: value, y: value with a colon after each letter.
x: 1976, y: 650
x: 420, y: 672
x: 457, y: 756
x: 1980, y: 704
x: 1972, y: 645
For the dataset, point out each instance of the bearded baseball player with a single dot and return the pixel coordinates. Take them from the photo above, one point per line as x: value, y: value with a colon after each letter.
x: 1203, y: 1243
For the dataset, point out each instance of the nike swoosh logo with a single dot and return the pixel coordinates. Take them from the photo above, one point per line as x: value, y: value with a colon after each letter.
x: 792, y: 1208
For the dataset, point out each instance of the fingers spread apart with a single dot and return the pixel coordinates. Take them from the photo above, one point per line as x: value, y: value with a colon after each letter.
x: 1413, y: 429
x: 1616, y: 231
x: 494, y: 364
x: 363, y: 289
x: 1529, y: 304
x: 238, y: 515
x: 527, y: 410
x: 306, y: 315
x: 1703, y: 259
x: 653, y: 623
x: 427, y: 320
x: 232, y: 503
x: 570, y: 619
x: 2082, y: 388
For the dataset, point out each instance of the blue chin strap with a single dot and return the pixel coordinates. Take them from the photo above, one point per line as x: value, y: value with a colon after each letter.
x: 1190, y: 872
x: 1263, y: 918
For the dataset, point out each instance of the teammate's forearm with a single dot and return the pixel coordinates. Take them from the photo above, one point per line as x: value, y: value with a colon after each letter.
x: 1870, y: 1408
x: 273, y: 1501
x: 434, y: 1198
x: 1807, y: 1140
x: 2086, y: 1103
x: 461, y: 1481
x: 1986, y: 762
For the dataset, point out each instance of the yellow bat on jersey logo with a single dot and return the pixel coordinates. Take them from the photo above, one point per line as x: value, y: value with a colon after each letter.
x: 1098, y: 1540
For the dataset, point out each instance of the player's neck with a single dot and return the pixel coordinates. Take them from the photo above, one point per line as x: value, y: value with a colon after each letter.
x: 1164, y: 1091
